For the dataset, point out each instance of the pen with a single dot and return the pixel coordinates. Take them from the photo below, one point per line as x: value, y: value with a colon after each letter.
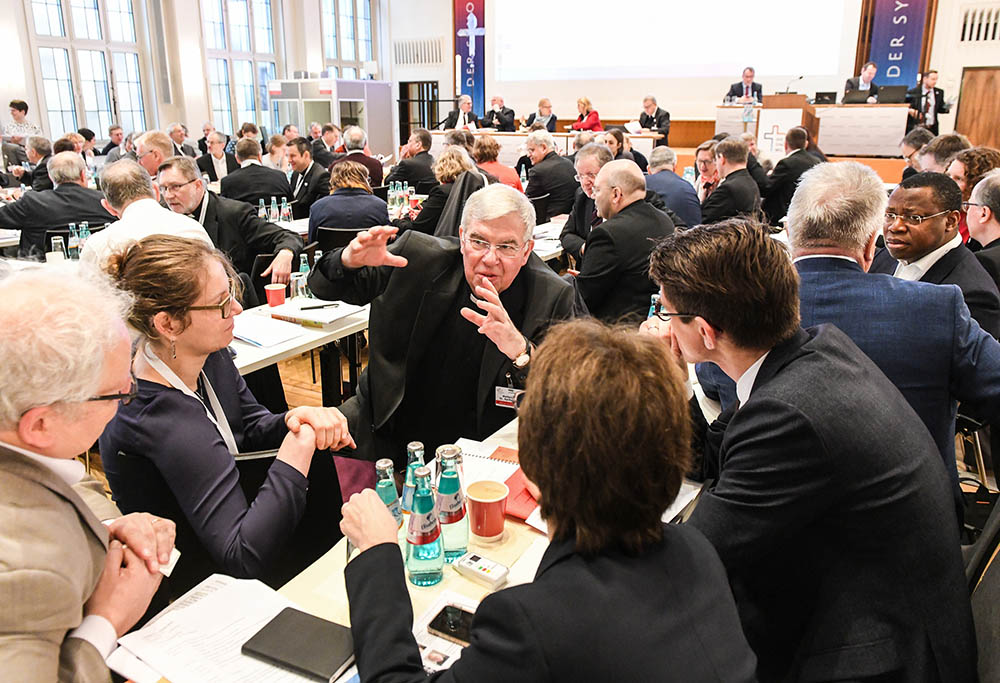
x: 313, y: 308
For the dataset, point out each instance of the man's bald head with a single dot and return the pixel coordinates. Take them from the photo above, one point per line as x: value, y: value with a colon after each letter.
x: 619, y: 183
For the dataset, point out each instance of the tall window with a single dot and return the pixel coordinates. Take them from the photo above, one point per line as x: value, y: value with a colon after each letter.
x: 241, y: 56
x: 89, y: 65
x: 347, y: 36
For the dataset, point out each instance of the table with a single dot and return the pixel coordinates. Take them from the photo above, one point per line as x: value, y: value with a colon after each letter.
x: 729, y: 120
x: 546, y: 235
x: 862, y: 129
x: 9, y: 238
x: 512, y: 144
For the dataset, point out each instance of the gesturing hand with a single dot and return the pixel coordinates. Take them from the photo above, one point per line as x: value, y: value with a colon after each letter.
x: 369, y: 249
x: 496, y: 324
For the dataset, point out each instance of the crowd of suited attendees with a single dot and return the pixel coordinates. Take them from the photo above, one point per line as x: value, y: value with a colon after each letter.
x: 838, y: 323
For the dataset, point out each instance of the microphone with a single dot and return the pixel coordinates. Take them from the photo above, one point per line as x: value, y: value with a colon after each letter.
x: 789, y: 86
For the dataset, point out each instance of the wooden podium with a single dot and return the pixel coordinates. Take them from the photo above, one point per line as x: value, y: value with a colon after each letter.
x: 780, y: 113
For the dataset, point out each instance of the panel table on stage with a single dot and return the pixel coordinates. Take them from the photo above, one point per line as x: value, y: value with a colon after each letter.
x: 512, y: 144
x: 872, y: 130
x: 729, y: 119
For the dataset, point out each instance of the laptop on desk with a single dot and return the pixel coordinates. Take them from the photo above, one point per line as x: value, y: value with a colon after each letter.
x: 855, y: 97
x: 829, y: 97
x: 892, y: 94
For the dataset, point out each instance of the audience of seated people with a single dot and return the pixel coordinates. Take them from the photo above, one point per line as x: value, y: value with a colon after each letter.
x: 351, y: 204
x: 253, y: 181
x: 485, y: 152
x: 450, y: 164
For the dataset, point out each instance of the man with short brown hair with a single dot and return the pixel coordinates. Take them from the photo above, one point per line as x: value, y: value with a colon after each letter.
x: 737, y: 193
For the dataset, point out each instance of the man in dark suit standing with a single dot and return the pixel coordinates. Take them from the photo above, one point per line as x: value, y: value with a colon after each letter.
x: 218, y: 163
x: 499, y: 116
x: 550, y: 174
x: 923, y: 243
x: 253, y: 181
x: 780, y: 185
x: 233, y: 225
x: 747, y: 90
x: 461, y: 117
x: 737, y: 193
x: 355, y: 140
x: 677, y: 194
x: 309, y: 181
x: 812, y: 542
x: 71, y: 201
x: 927, y: 103
x: 614, y: 279
x: 38, y: 151
x: 655, y: 120
x: 866, y: 81
x: 415, y: 161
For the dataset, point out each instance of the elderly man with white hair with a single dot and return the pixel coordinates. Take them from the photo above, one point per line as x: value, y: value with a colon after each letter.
x: 463, y: 117
x: 499, y: 117
x: 550, y: 174
x: 355, y: 142
x: 70, y: 586
x: 453, y: 322
x: 178, y: 135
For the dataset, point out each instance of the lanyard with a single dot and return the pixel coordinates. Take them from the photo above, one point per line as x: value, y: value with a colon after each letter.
x: 216, y: 415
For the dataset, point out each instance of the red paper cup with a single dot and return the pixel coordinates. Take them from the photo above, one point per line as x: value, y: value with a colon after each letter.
x: 487, y: 506
x: 414, y: 202
x: 275, y: 294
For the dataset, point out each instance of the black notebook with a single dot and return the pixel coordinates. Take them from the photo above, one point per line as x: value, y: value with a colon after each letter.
x: 304, y: 644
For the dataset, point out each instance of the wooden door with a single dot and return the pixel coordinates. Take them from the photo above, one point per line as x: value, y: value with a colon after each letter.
x: 978, y: 116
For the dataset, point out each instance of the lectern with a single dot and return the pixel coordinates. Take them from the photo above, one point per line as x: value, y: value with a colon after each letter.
x: 780, y: 113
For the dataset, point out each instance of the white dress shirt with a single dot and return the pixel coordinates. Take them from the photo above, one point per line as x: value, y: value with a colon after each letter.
x: 745, y: 383
x: 141, y: 218
x: 249, y: 162
x: 917, y: 269
x: 221, y: 167
x: 94, y: 629
x: 862, y: 85
x: 928, y: 106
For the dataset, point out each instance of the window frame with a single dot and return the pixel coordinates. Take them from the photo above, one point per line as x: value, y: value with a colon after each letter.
x: 336, y: 65
x: 74, y: 46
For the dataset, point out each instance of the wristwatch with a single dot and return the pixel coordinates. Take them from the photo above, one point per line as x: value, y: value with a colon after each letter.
x: 521, y: 362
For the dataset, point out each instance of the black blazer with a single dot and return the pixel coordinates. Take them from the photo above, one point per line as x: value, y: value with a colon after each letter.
x: 834, y: 578
x: 611, y: 616
x: 989, y: 258
x: 556, y: 177
x: 614, y: 280
x: 205, y: 165
x: 430, y: 211
x: 203, y: 144
x: 315, y: 185
x: 550, y: 126
x: 452, y: 120
x: 737, y: 195
x: 36, y: 212
x: 958, y: 267
x: 782, y: 182
x: 256, y: 182
x: 503, y: 120
x: 40, y: 179
x: 408, y: 305
x: 413, y: 170
x: 852, y: 84
x: 659, y: 122
x: 757, y: 172
x: 235, y: 229
x: 915, y: 98
x: 756, y: 89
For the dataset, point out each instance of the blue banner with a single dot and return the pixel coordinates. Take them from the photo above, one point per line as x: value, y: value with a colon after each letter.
x: 897, y: 37
x: 470, y: 47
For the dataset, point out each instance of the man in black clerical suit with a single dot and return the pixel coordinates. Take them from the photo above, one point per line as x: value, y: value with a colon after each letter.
x: 436, y: 359
x: 737, y: 193
x: 780, y: 185
x: 415, y: 161
x: 614, y: 279
x: 550, y: 174
x: 834, y: 579
x: 747, y: 90
x: 71, y: 201
x: 655, y: 120
x: 931, y: 250
x: 233, y: 225
x: 38, y: 151
x: 211, y: 163
x: 253, y: 181
x: 866, y: 81
x: 463, y: 116
x: 927, y: 103
x: 983, y: 218
x: 309, y: 181
x: 499, y: 116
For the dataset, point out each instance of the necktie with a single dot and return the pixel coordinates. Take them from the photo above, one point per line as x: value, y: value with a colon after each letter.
x: 746, y: 91
x: 595, y: 220
x: 927, y: 101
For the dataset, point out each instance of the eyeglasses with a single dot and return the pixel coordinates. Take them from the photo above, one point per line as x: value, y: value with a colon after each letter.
x: 225, y: 307
x: 126, y: 398
x: 589, y: 176
x: 966, y: 205
x: 667, y: 315
x: 706, y: 162
x: 478, y: 246
x: 911, y: 219
x: 169, y: 189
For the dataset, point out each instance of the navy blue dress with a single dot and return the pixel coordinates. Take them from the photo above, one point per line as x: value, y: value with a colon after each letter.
x: 163, y: 455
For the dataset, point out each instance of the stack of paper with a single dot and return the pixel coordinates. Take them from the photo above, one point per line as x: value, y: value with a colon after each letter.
x: 260, y: 330
x: 312, y: 312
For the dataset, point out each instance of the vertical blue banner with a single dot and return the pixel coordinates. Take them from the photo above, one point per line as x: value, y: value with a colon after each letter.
x: 470, y: 46
x: 897, y: 36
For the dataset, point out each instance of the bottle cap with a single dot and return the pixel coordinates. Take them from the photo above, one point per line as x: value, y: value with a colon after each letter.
x: 422, y: 472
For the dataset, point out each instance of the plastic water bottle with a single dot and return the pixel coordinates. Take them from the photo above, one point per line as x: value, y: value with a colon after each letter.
x: 414, y: 459
x: 385, y: 487
x: 286, y: 211
x: 73, y: 243
x: 451, y: 504
x: 424, y: 554
x: 273, y: 216
x: 654, y: 299
x: 689, y: 175
x: 261, y: 209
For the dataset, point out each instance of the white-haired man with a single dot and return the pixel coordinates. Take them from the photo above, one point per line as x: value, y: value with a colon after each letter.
x: 463, y: 117
x: 68, y: 586
x: 178, y: 135
x: 499, y: 116
x: 355, y: 141
x: 550, y: 174
x: 455, y: 312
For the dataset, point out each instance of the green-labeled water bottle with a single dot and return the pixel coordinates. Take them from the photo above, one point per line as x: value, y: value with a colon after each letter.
x: 424, y: 553
x: 414, y: 459
x: 451, y: 503
x: 385, y: 487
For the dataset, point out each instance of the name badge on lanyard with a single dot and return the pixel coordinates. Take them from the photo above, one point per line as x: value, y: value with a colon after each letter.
x: 506, y: 397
